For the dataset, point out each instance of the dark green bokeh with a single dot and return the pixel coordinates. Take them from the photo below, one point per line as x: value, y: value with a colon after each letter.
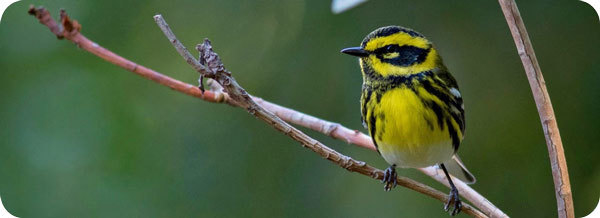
x: 80, y: 137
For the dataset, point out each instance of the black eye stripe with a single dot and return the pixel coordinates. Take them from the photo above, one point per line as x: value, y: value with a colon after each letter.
x: 397, y: 48
x: 408, y: 55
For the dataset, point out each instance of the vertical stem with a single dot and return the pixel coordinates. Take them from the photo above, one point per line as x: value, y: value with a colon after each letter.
x: 558, y: 162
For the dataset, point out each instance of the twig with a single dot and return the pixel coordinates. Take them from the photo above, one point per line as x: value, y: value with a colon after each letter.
x: 340, y: 132
x: 558, y: 162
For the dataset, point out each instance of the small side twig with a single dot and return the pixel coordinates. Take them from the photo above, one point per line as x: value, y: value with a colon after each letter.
x: 558, y: 162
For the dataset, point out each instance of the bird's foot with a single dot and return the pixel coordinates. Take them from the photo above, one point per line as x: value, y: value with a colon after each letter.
x: 453, y: 201
x: 390, y: 178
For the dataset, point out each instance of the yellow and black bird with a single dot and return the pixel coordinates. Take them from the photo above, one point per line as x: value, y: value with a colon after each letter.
x: 411, y: 105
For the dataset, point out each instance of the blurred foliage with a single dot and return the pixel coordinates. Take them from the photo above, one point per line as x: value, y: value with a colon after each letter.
x: 80, y: 137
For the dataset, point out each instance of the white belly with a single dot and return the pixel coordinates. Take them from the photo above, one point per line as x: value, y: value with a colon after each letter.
x: 418, y: 156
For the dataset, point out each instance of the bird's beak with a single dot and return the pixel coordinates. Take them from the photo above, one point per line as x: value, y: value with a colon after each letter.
x: 355, y: 51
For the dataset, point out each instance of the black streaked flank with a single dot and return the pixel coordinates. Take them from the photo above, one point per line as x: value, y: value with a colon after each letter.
x: 459, y: 121
x: 443, y: 96
x: 381, y: 131
x: 367, y: 91
x: 378, y: 96
x: 372, y: 126
x: 429, y: 122
x: 446, y: 97
x: 453, y: 135
x: 437, y: 109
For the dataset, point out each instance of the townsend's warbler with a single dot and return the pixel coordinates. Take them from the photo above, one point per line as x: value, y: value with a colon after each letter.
x: 411, y: 105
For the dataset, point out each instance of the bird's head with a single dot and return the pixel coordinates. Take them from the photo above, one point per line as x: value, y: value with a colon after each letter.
x: 395, y: 51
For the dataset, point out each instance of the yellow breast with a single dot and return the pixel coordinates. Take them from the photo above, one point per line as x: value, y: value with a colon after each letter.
x: 407, y: 131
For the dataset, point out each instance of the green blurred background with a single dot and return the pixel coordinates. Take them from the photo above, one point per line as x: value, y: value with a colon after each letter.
x: 81, y: 137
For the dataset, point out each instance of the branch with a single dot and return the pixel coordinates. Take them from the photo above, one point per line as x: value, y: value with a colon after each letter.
x: 334, y: 130
x: 558, y: 162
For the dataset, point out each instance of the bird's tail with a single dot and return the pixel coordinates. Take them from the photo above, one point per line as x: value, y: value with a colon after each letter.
x: 458, y: 170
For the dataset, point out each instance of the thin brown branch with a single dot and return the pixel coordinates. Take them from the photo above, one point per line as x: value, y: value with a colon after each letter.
x: 334, y: 130
x: 558, y: 162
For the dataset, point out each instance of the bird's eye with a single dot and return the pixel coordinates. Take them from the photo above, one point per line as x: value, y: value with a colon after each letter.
x: 389, y: 48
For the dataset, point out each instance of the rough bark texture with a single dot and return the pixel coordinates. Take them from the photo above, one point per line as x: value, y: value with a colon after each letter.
x: 558, y: 162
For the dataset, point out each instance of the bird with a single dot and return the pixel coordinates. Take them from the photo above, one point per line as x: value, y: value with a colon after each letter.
x: 411, y: 106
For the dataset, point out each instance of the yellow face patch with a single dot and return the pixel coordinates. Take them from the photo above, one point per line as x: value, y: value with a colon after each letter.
x: 391, y: 55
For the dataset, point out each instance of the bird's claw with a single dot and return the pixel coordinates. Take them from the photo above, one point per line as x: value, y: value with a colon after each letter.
x: 453, y: 201
x: 390, y: 178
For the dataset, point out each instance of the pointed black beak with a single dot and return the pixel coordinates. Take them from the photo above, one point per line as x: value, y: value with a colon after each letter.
x: 355, y: 51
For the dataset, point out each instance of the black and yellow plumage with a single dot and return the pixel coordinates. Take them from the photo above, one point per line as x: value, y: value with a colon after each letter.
x: 411, y: 104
